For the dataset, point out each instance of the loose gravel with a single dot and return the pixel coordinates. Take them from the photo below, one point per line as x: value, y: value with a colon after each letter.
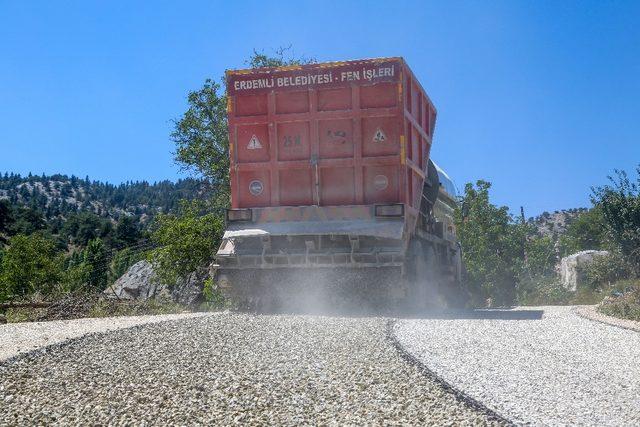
x: 543, y: 365
x: 229, y: 369
x: 16, y: 338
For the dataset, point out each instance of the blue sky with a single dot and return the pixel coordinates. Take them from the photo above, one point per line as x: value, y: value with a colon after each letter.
x: 542, y: 98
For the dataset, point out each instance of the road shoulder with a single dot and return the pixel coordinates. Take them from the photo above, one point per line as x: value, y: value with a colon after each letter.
x: 19, y: 338
x: 591, y: 312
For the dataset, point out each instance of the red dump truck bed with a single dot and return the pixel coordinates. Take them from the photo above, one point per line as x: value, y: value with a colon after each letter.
x: 330, y: 134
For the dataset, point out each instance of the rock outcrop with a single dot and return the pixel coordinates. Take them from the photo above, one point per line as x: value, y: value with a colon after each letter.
x: 141, y: 282
x: 572, y: 266
x: 188, y: 290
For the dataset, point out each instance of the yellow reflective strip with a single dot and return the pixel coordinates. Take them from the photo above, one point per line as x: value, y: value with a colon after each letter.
x: 403, y: 151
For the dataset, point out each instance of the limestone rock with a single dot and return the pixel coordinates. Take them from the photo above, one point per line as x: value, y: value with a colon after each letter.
x: 188, y: 290
x: 572, y: 265
x: 141, y: 282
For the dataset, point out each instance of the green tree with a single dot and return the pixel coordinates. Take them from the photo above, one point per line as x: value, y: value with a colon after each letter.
x: 491, y: 245
x: 127, y: 231
x: 96, y: 262
x: 186, y: 241
x: 201, y: 134
x: 620, y: 205
x: 88, y: 269
x: 84, y: 226
x: 587, y: 231
x: 6, y: 215
x: 27, y: 221
x: 30, y: 263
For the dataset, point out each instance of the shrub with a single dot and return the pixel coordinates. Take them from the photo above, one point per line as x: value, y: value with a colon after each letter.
x: 625, y: 304
x: 185, y: 241
x: 587, y: 231
x: 542, y: 290
x: 606, y: 270
x: 212, y: 295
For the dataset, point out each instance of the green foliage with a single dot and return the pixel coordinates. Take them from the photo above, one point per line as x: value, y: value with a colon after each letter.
x: 282, y: 57
x: 201, y: 138
x: 25, y: 220
x: 121, y: 262
x: 542, y: 290
x: 491, y: 246
x: 30, y: 264
x: 201, y: 134
x: 127, y: 231
x: 587, y: 231
x: 38, y: 202
x: 620, y: 204
x: 540, y: 255
x: 82, y: 227
x: 624, y: 304
x: 96, y: 261
x: 212, y: 295
x: 185, y: 241
x: 535, y: 275
x: 606, y: 270
x: 5, y: 215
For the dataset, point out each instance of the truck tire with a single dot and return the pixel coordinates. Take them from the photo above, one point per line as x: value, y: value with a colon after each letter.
x: 424, y: 283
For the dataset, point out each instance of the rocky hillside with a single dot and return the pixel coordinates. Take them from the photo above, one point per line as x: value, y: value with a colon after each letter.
x: 58, y: 196
x: 555, y: 224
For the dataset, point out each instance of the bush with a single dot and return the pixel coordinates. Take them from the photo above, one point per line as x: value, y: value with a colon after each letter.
x: 212, y: 295
x: 625, y: 304
x: 30, y: 264
x: 587, y: 231
x: 542, y: 290
x: 186, y: 241
x: 606, y: 270
x: 620, y: 204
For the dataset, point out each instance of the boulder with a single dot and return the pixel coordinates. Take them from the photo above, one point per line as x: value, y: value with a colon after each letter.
x: 141, y: 282
x: 188, y: 290
x: 571, y: 267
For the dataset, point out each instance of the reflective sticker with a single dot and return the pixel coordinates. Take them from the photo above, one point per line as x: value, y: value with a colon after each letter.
x: 380, y: 182
x: 254, y: 143
x: 379, y: 136
x: 256, y: 187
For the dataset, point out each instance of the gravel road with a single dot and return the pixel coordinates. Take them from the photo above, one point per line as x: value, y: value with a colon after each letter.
x: 542, y: 365
x: 229, y: 368
x: 16, y: 338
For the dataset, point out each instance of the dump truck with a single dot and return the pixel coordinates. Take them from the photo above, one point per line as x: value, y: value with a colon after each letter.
x: 334, y: 198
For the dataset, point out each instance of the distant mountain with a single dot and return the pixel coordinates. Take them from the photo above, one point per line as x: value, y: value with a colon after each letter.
x: 57, y: 196
x: 555, y: 224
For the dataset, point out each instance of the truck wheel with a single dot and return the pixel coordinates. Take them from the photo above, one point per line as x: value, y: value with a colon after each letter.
x: 424, y: 286
x: 456, y: 294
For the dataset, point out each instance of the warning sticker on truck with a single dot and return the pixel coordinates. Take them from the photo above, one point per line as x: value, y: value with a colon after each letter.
x: 254, y: 143
x: 379, y: 136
